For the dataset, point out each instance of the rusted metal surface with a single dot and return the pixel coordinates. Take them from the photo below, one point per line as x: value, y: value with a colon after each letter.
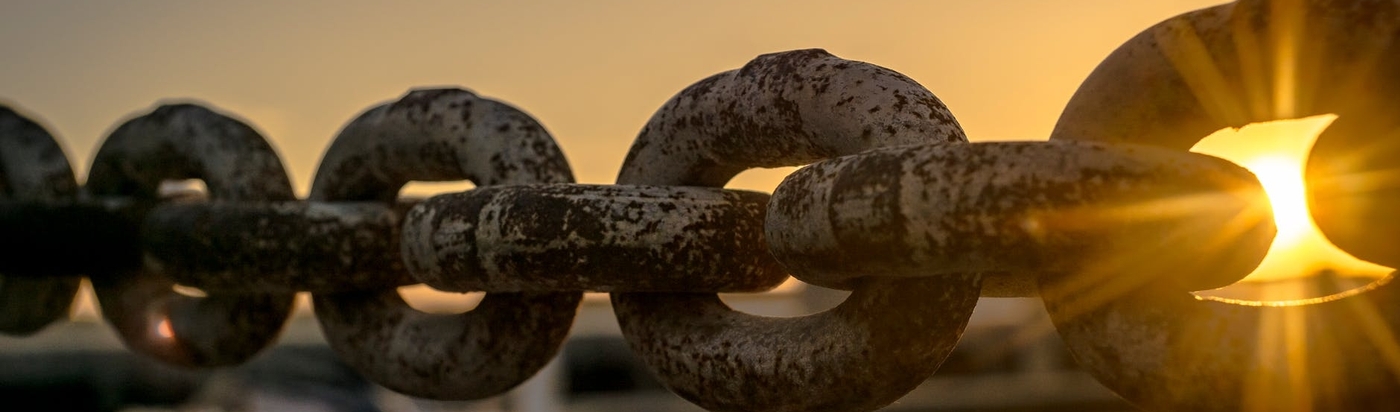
x: 176, y: 142
x: 1112, y: 223
x: 787, y: 109
x: 441, y: 134
x: 1165, y: 349
x: 274, y: 247
x: 32, y: 168
x: 502, y: 342
x: 1025, y: 208
x: 1199, y: 72
x: 888, y: 337
x: 593, y: 238
x: 783, y: 109
x: 436, y: 135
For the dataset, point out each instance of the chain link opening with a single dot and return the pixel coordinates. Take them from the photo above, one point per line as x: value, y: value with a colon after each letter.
x: 1302, y: 264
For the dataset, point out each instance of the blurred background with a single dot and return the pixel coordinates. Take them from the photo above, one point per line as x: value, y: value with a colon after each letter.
x: 592, y: 73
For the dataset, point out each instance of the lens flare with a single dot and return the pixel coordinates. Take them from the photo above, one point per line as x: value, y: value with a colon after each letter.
x: 1283, y: 181
x: 1276, y: 153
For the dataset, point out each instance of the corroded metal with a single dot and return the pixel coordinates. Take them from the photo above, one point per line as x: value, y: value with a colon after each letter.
x: 278, y: 247
x: 886, y: 339
x: 176, y: 142
x: 537, y: 238
x: 1112, y: 233
x: 1176, y: 82
x: 783, y: 109
x: 787, y: 109
x: 33, y: 168
x: 441, y: 134
x: 1024, y: 208
x: 1227, y: 66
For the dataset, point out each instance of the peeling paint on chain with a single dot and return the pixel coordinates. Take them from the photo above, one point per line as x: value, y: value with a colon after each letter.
x: 787, y: 109
x: 598, y: 238
x: 1020, y: 208
x: 32, y: 168
x: 441, y: 134
x: 909, y: 216
x: 186, y: 141
x: 783, y: 109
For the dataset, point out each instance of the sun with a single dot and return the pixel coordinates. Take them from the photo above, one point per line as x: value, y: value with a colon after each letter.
x: 1276, y: 153
x: 1282, y: 179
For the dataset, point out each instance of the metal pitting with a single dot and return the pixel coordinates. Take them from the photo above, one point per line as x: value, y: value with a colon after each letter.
x: 178, y: 142
x: 1160, y: 346
x: 1111, y: 222
x: 597, y: 238
x: 787, y: 109
x: 437, y: 135
x: 1019, y: 211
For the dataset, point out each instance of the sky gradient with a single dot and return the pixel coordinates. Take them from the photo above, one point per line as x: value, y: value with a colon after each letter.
x: 591, y: 72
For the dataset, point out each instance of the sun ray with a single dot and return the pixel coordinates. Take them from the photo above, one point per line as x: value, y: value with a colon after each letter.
x: 1287, y: 32
x: 1114, y: 276
x: 1276, y: 153
x: 1187, y: 52
x: 1377, y: 331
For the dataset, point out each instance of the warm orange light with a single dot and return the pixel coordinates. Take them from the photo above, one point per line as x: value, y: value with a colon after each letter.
x: 426, y: 299
x: 1276, y: 153
x: 1283, y: 181
x: 164, y: 330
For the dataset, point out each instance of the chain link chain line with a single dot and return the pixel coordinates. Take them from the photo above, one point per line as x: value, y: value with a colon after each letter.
x: 855, y: 357
x: 888, y: 138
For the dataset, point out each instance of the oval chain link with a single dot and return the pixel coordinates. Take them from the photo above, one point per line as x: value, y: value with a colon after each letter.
x: 1163, y: 348
x: 441, y: 135
x: 178, y: 142
x: 786, y: 109
x: 1022, y: 210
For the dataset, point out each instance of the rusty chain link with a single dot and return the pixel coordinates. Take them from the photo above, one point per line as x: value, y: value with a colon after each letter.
x: 176, y: 142
x: 782, y: 110
x: 441, y: 135
x: 1112, y: 222
x: 1163, y: 348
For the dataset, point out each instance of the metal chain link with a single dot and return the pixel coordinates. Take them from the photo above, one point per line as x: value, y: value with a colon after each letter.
x: 33, y: 168
x: 1112, y: 223
x: 1163, y: 348
x: 176, y: 142
x: 784, y: 110
x: 441, y: 135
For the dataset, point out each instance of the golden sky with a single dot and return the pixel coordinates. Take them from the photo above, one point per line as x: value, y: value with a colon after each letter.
x: 591, y: 72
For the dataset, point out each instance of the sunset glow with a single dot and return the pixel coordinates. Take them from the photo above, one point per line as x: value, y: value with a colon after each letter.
x: 1276, y: 153
x: 164, y: 330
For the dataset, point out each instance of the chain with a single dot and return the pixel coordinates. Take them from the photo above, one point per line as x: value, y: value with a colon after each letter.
x: 1112, y: 223
x: 1164, y: 348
